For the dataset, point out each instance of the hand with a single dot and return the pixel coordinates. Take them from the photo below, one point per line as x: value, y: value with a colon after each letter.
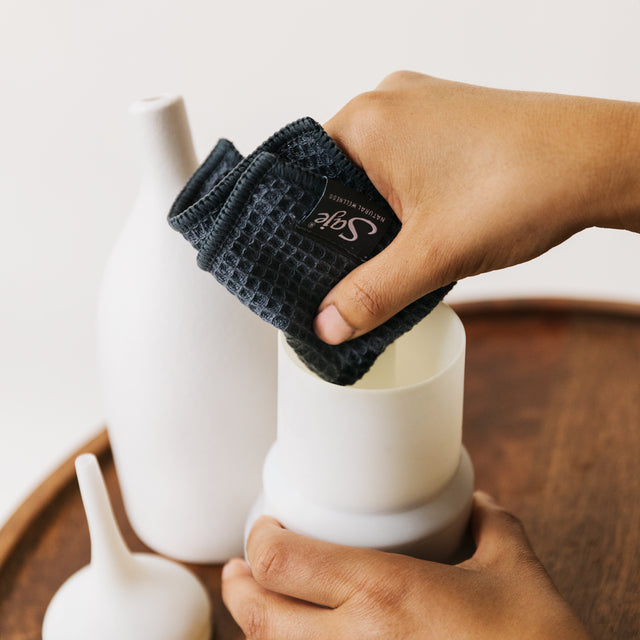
x: 303, y: 588
x: 481, y: 179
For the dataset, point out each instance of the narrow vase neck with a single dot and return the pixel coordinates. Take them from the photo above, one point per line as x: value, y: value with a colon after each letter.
x: 166, y: 150
x: 109, y: 552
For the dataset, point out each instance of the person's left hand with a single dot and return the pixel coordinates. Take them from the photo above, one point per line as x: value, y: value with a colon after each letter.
x: 298, y: 587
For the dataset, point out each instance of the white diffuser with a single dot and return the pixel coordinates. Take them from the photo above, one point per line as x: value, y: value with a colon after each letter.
x: 123, y: 595
x: 381, y: 463
x: 179, y: 356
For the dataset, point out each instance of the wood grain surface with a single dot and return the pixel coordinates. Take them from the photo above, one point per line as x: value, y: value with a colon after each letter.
x: 552, y: 423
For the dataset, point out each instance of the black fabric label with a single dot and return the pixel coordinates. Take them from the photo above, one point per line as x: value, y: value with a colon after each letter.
x: 348, y: 220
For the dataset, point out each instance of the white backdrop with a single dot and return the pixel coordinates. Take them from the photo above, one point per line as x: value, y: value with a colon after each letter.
x: 70, y: 68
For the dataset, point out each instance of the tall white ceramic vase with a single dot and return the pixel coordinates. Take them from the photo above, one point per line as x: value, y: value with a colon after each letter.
x: 188, y: 373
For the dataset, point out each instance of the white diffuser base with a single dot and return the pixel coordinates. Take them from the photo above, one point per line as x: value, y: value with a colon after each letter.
x: 431, y: 531
x: 123, y: 595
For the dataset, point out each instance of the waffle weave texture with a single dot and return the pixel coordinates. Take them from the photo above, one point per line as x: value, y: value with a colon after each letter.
x: 243, y: 215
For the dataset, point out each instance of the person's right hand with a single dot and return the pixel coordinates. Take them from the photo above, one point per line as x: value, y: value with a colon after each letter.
x: 481, y: 179
x: 298, y: 587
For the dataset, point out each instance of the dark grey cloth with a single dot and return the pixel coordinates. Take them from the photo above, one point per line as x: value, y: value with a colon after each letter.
x: 245, y: 215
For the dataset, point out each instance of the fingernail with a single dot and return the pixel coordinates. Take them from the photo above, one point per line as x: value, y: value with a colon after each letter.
x: 235, y: 567
x: 331, y: 327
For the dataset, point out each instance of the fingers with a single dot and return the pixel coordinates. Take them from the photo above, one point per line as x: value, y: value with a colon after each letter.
x: 498, y: 534
x: 378, y: 289
x: 267, y: 615
x: 300, y: 567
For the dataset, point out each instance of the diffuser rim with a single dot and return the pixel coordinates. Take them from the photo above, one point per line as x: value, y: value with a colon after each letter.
x: 459, y: 352
x: 379, y: 529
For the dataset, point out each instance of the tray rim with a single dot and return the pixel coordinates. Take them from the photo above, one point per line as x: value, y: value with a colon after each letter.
x: 43, y: 495
x: 36, y: 503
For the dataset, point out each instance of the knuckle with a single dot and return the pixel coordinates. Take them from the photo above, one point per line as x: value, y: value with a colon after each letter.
x: 529, y: 561
x: 388, y: 589
x: 384, y: 596
x: 366, y: 298
x: 383, y: 600
x: 517, y: 548
x: 512, y: 523
x: 271, y: 559
x: 366, y: 117
x: 363, y: 103
x: 401, y: 76
x: 439, y: 259
x: 402, y: 79
x: 253, y: 620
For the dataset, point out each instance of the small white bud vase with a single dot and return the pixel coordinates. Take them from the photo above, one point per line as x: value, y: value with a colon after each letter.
x: 123, y: 595
x: 381, y: 463
x: 188, y: 373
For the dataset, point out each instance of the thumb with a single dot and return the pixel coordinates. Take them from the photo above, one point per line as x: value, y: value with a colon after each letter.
x: 376, y: 290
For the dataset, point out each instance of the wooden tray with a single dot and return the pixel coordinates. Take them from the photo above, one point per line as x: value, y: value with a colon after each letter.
x: 552, y: 423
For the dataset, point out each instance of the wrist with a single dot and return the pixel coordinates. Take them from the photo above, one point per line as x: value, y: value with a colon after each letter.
x: 613, y: 165
x: 629, y: 206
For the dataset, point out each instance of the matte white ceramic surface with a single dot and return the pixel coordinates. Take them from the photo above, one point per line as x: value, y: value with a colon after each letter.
x: 391, y: 440
x: 380, y: 463
x: 431, y: 530
x: 188, y: 373
x: 119, y: 594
